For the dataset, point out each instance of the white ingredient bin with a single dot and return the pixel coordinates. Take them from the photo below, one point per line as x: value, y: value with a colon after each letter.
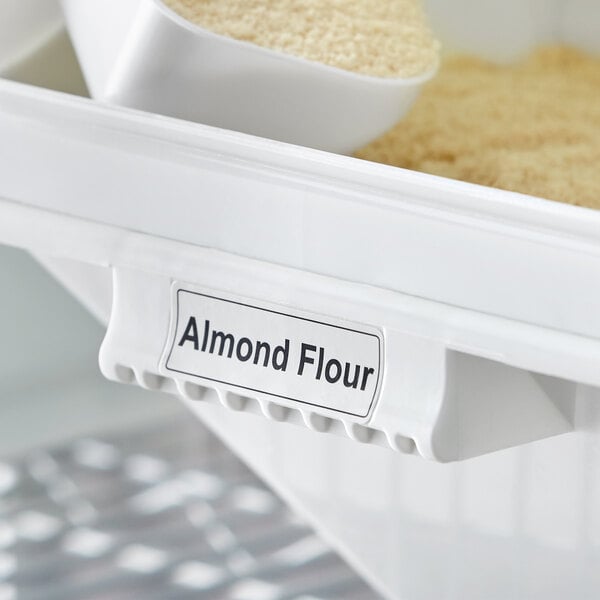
x: 480, y: 306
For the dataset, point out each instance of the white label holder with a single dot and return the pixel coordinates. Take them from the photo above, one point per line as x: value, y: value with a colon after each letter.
x: 453, y: 383
x: 266, y: 347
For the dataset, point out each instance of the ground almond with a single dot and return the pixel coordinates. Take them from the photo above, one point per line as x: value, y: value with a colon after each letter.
x: 389, y: 38
x: 533, y: 127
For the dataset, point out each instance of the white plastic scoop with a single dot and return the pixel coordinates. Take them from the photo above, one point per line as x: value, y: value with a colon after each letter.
x: 139, y: 53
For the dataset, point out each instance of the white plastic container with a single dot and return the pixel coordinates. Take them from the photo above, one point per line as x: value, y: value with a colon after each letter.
x: 136, y: 203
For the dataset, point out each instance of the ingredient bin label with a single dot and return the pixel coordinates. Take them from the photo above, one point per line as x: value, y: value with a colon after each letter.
x: 280, y: 352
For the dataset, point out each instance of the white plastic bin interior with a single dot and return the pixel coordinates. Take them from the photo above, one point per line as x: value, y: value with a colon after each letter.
x: 436, y: 268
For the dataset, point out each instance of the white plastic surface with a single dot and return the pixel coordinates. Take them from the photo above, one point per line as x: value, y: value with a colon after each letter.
x: 506, y: 30
x: 139, y: 53
x: 453, y: 243
x: 518, y: 524
x: 25, y: 25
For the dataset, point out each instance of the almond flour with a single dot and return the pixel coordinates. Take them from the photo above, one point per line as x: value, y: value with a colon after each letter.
x: 532, y: 128
x: 388, y: 38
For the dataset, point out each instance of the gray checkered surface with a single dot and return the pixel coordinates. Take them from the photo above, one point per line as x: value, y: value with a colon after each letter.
x: 157, y: 514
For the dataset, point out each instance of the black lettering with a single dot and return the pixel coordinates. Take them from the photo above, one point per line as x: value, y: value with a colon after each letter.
x: 267, y: 348
x: 205, y: 335
x: 190, y: 334
x: 244, y: 356
x: 304, y: 358
x: 320, y: 363
x: 366, y: 374
x: 354, y: 383
x: 333, y: 365
x: 223, y: 338
x: 281, y: 355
